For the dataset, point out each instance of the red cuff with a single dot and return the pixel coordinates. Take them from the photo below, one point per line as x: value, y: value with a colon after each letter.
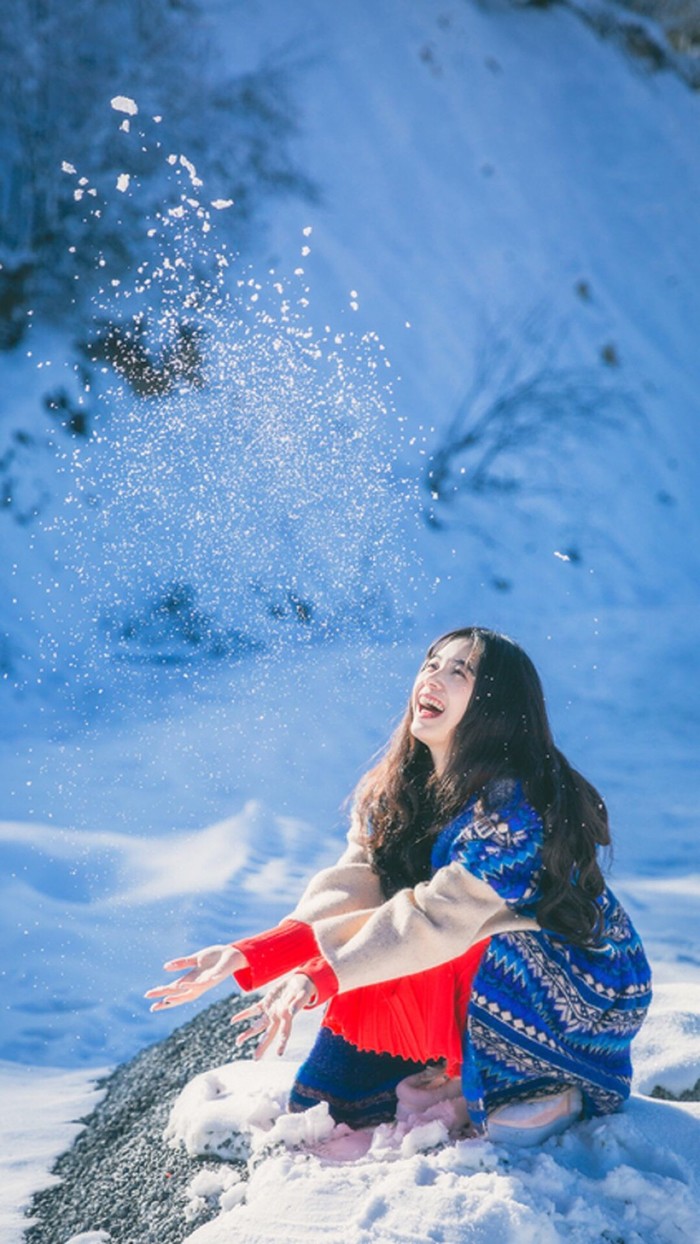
x: 323, y: 979
x: 275, y: 953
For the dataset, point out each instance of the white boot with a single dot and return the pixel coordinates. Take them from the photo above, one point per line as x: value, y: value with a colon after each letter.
x: 531, y: 1122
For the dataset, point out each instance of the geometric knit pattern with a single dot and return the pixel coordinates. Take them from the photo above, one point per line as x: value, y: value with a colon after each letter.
x: 544, y: 1013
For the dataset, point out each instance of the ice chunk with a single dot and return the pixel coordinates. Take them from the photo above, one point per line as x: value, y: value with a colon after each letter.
x: 196, y: 181
x: 122, y: 103
x: 426, y: 1136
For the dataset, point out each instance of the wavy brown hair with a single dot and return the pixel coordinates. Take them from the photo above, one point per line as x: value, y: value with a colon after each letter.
x: 504, y: 734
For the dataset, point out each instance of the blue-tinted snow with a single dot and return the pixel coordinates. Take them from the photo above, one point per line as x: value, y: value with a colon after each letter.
x: 517, y: 191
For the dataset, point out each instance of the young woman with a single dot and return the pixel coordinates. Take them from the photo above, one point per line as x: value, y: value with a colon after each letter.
x: 467, y: 928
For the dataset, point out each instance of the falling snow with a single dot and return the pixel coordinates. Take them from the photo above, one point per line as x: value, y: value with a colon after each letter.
x: 122, y: 103
x: 248, y: 498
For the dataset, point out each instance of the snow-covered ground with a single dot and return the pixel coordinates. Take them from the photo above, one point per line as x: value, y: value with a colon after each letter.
x: 40, y: 1112
x: 633, y: 1177
x: 505, y: 207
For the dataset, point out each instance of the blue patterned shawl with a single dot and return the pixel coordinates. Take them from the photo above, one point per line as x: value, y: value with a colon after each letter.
x: 544, y: 1013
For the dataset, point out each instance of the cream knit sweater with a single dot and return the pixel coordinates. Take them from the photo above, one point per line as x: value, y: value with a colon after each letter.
x: 367, y: 939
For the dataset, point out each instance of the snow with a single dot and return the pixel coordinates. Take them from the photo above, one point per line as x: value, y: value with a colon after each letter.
x: 40, y: 1113
x: 122, y: 103
x: 633, y: 1176
x: 223, y: 1186
x: 509, y: 195
x: 87, y: 918
x: 90, y: 1237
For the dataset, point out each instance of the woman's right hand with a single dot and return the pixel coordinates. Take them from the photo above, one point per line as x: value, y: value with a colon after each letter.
x: 273, y: 1015
x: 206, y: 968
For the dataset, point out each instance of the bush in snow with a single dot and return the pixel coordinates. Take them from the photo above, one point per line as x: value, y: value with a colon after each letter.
x: 61, y: 65
x: 521, y: 417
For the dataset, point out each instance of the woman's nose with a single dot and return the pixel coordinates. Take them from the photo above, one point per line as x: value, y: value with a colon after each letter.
x: 434, y: 679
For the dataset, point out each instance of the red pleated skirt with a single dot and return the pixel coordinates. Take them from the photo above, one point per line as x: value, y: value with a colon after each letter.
x: 419, y: 1017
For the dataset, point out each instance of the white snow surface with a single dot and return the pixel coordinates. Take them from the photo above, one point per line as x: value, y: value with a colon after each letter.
x: 40, y: 1109
x: 598, y: 1181
x: 633, y: 1177
x: 489, y: 175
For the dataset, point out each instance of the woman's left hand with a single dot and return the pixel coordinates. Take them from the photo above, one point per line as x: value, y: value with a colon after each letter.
x: 274, y: 1014
x: 207, y: 967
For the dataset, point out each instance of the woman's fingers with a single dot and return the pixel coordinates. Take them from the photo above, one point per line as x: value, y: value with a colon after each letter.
x: 176, y: 965
x: 186, y: 989
x: 273, y: 1015
x: 179, y: 989
x: 176, y: 999
x: 295, y: 1003
x: 174, y: 987
x: 265, y: 1024
x: 255, y: 1009
x: 253, y: 1031
x: 268, y: 1038
x: 285, y: 1030
x: 202, y: 970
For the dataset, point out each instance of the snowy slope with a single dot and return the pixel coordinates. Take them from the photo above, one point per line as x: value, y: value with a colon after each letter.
x: 41, y: 1110
x: 506, y: 206
x: 478, y: 165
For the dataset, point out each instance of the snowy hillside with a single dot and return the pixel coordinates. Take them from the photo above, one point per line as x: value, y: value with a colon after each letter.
x: 515, y: 189
x: 453, y: 379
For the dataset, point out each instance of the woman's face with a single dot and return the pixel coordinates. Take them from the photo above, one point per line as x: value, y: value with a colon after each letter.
x: 441, y: 694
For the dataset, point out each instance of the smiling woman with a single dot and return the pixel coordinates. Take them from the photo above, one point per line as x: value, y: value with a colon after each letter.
x: 466, y: 942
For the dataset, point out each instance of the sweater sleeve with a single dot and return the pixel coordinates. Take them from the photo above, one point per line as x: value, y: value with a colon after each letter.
x: 501, y: 843
x: 274, y: 953
x: 291, y: 947
x: 350, y: 885
x: 323, y: 979
x: 364, y: 939
x: 347, y: 886
x: 481, y: 889
x: 416, y: 929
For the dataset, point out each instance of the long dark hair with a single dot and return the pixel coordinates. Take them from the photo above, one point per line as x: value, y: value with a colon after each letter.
x: 504, y: 734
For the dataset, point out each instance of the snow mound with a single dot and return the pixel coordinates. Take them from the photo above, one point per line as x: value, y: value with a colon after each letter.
x: 630, y: 1176
x: 667, y: 1050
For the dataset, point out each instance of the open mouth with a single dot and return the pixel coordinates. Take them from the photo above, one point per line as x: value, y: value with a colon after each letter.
x: 429, y: 707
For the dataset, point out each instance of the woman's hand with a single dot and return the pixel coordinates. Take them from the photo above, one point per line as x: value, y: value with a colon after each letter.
x: 274, y: 1014
x: 207, y: 968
